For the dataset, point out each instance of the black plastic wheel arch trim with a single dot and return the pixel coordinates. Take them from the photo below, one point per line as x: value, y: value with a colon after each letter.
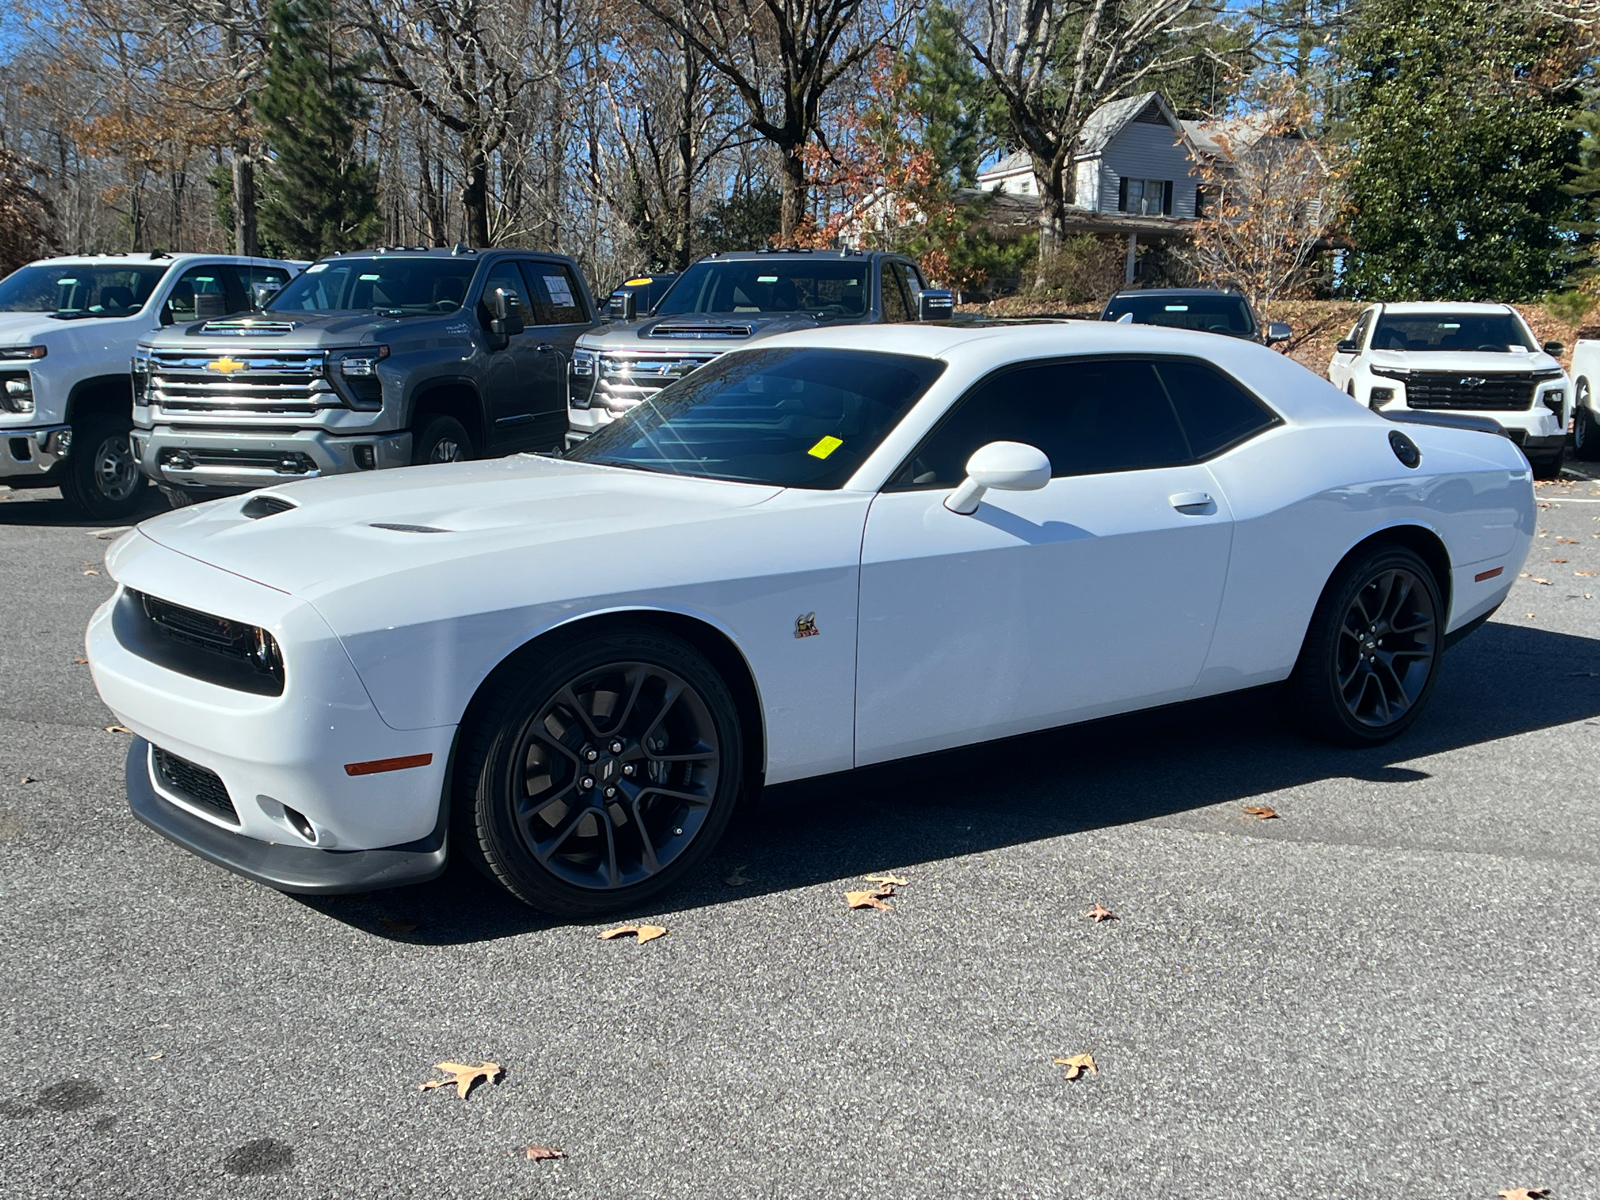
x: 299, y: 869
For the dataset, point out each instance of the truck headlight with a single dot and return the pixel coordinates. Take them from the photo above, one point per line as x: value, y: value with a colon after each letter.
x: 1555, y: 400
x: 583, y: 362
x: 18, y: 394
x: 25, y: 353
x: 141, y: 378
x: 1378, y: 397
x: 363, y: 364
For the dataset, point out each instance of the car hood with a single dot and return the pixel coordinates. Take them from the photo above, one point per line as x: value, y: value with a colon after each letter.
x: 698, y: 331
x: 28, y: 328
x: 305, y: 331
x: 343, y: 529
x: 1479, y: 362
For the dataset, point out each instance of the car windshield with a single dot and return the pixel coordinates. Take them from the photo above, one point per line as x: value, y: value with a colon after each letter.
x: 804, y: 284
x: 396, y: 287
x: 1211, y: 314
x: 1499, y: 332
x: 802, y: 417
x: 79, y: 289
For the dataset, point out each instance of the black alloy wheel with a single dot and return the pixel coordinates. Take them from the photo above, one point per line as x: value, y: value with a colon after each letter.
x: 603, y: 774
x: 440, y: 439
x: 1371, y: 655
x: 101, y: 477
x: 1585, y: 429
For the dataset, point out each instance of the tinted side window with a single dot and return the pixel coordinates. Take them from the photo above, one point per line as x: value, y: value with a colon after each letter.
x: 895, y: 306
x: 1089, y: 416
x: 1359, y: 333
x: 557, y: 298
x: 1214, y: 410
x: 205, y: 293
x: 261, y: 283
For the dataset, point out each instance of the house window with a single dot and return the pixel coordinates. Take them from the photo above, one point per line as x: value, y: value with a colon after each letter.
x: 1146, y: 197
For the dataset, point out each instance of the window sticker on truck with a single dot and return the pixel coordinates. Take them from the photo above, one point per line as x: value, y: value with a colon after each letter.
x: 560, y: 293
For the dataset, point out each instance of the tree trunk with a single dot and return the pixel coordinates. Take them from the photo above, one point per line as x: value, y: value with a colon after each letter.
x: 475, y: 198
x: 792, y: 203
x: 244, y: 198
x: 1057, y: 191
x: 683, y: 201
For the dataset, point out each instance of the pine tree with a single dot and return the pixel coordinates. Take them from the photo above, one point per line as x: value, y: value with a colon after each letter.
x: 1461, y: 145
x: 320, y: 196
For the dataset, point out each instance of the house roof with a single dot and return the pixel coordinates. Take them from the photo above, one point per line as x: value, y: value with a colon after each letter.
x: 1216, y: 138
x: 1099, y: 131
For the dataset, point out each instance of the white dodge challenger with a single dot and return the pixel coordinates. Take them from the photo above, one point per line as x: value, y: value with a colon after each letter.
x: 839, y: 548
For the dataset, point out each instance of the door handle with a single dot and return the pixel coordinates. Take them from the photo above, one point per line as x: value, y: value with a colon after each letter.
x: 1193, y: 504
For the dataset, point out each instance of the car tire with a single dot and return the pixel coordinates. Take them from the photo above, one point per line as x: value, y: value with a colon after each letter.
x: 440, y: 439
x: 1350, y: 689
x: 1585, y: 429
x: 649, y: 813
x: 1549, y: 466
x: 101, y: 477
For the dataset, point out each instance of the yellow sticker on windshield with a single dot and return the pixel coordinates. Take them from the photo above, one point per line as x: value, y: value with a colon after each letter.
x: 825, y: 447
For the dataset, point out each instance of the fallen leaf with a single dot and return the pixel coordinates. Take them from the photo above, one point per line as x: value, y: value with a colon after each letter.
x: 1100, y: 913
x: 1523, y: 1193
x: 153, y: 1057
x: 738, y: 878
x: 462, y: 1076
x: 645, y: 933
x: 79, y: 662
x: 91, y: 572
x: 538, y: 1153
x: 1558, y: 560
x: 29, y: 779
x: 1536, y: 579
x: 1586, y: 573
x: 1078, y: 1064
x: 1530, y: 616
x: 870, y: 899
x: 394, y: 926
x: 118, y: 729
x: 1568, y: 541
x: 887, y: 880
x: 1261, y: 812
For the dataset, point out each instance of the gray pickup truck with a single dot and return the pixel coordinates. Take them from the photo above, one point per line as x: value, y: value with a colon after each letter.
x: 726, y: 301
x: 368, y: 360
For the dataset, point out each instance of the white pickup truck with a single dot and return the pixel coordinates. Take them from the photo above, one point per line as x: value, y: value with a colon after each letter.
x: 1478, y: 360
x: 68, y: 330
x: 1585, y: 383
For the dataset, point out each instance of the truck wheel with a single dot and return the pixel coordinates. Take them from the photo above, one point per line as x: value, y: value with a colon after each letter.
x: 440, y: 439
x: 1549, y: 467
x: 1585, y: 429
x: 101, y: 477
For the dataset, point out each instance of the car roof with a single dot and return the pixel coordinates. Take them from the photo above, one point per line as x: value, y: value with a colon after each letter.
x: 784, y: 255
x: 1129, y: 293
x: 154, y: 259
x: 1428, y: 307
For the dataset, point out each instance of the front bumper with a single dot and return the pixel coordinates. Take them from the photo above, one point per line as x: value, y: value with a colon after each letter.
x: 32, y: 452
x: 244, y: 459
x: 302, y: 869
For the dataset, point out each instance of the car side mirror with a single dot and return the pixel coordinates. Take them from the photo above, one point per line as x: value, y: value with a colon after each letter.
x: 1345, y: 346
x: 935, y: 304
x: 1004, y: 466
x: 1554, y: 349
x: 1278, y: 331
x: 624, y: 305
x: 505, y: 309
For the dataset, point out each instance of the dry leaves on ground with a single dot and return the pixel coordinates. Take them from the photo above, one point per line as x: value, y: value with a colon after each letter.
x: 29, y: 779
x: 1523, y: 1193
x: 1561, y: 560
x: 91, y: 572
x: 1077, y: 1065
x: 738, y: 878
x: 118, y: 729
x: 462, y: 1075
x: 873, y: 898
x: 80, y: 662
x: 1100, y: 913
x: 645, y: 933
x: 394, y: 926
x: 1584, y: 573
x: 1534, y: 579
x: 539, y: 1153
x: 1568, y: 541
x: 887, y: 879
x: 1261, y: 812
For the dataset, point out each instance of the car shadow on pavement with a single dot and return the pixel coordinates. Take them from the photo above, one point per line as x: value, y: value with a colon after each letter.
x: 45, y: 508
x: 1503, y: 681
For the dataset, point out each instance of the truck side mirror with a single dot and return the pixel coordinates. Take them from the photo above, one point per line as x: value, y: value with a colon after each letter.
x: 935, y: 304
x: 1278, y: 331
x: 1345, y: 346
x: 624, y: 305
x: 505, y: 308
x: 1554, y: 349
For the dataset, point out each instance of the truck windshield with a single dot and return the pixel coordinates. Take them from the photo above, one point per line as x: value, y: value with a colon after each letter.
x: 823, y: 289
x: 396, y: 287
x: 1499, y: 332
x: 1210, y: 314
x: 801, y: 417
x: 79, y: 289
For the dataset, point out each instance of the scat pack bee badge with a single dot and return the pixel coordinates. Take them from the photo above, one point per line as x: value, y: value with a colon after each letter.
x: 806, y: 626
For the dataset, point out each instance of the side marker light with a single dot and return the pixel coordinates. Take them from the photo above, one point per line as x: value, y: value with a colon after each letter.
x: 1478, y: 578
x: 379, y: 765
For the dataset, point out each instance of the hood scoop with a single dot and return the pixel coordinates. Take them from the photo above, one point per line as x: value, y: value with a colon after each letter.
x: 704, y: 330
x: 265, y: 506
x: 409, y: 528
x: 248, y: 328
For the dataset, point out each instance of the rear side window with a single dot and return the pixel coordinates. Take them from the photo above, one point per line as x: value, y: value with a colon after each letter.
x: 557, y: 298
x: 1215, y: 411
x: 206, y: 293
x: 1089, y: 416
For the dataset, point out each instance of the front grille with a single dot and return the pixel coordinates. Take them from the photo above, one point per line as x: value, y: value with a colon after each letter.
x: 283, y: 462
x: 623, y: 382
x: 1500, y: 391
x: 282, y: 383
x: 192, y: 782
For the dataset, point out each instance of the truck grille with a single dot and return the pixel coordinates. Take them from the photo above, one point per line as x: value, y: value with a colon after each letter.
x: 281, y: 383
x: 194, y: 783
x: 623, y: 382
x: 1502, y: 391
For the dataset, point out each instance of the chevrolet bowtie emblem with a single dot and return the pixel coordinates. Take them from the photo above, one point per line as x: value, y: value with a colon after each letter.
x: 226, y: 365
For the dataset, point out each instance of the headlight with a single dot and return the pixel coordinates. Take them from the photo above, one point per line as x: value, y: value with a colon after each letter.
x: 1555, y: 400
x: 1378, y: 397
x: 24, y: 352
x: 363, y: 363
x: 1400, y: 373
x: 583, y: 362
x: 141, y: 378
x: 17, y: 396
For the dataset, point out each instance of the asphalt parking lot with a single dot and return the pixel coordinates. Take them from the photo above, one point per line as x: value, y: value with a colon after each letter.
x: 1392, y: 989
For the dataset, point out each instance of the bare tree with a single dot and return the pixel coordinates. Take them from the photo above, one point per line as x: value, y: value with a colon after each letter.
x: 1053, y: 62
x: 783, y: 57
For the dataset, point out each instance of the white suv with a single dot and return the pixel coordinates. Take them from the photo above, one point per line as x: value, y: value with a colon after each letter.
x: 68, y: 330
x: 1480, y: 360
